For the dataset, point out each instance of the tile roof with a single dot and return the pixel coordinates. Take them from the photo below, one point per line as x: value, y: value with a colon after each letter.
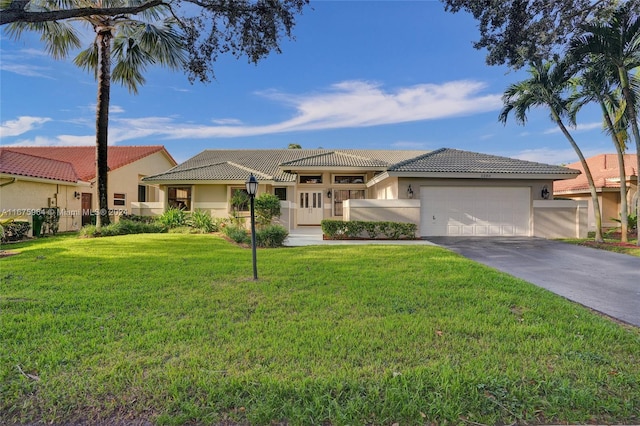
x: 83, y: 157
x: 446, y: 160
x: 604, y: 170
x: 20, y: 164
x: 275, y: 164
x: 272, y: 164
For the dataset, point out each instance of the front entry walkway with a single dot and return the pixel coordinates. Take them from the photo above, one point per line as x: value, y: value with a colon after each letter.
x: 312, y: 236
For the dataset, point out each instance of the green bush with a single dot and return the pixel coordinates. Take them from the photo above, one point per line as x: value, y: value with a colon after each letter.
x: 123, y: 227
x: 138, y: 218
x: 237, y: 234
x: 271, y: 236
x: 173, y: 218
x: 267, y: 207
x: 202, y: 221
x: 337, y: 229
x: 15, y: 230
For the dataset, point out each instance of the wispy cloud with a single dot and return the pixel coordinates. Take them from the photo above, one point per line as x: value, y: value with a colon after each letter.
x: 584, y: 127
x: 21, y: 125
x: 61, y: 140
x: 553, y: 156
x: 27, y: 70
x: 349, y: 104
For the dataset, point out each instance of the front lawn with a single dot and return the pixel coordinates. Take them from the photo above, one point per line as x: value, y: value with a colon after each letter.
x: 170, y: 328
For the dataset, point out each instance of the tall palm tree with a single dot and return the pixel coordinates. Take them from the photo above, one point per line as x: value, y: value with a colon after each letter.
x: 546, y: 88
x: 596, y: 85
x: 616, y: 42
x: 133, y: 42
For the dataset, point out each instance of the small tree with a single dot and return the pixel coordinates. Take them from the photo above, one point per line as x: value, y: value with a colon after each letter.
x: 267, y: 207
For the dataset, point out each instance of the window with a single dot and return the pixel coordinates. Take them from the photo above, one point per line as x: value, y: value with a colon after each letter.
x: 119, y: 199
x: 281, y: 193
x: 239, y: 199
x: 342, y: 179
x: 339, y: 195
x: 180, y: 197
x: 142, y: 193
x: 311, y: 179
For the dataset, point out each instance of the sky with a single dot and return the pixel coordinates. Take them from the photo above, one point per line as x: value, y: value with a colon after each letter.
x: 358, y: 75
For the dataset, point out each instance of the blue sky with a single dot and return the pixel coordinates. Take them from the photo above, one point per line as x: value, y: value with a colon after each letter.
x: 359, y: 74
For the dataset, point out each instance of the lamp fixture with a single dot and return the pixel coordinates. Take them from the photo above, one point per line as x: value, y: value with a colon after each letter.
x: 544, y: 193
x: 409, y: 192
x: 329, y: 193
x: 76, y: 195
x: 252, y: 188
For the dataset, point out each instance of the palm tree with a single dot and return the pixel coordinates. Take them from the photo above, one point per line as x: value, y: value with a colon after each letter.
x: 132, y: 42
x: 596, y: 85
x: 546, y: 88
x: 616, y: 42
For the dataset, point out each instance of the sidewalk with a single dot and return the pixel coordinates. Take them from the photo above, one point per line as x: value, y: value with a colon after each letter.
x: 312, y: 236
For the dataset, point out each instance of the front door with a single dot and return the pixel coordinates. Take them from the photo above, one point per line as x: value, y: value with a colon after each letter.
x: 310, y: 208
x: 86, y: 208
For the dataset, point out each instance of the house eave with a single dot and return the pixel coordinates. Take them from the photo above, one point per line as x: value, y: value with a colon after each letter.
x: 19, y: 178
x: 483, y: 175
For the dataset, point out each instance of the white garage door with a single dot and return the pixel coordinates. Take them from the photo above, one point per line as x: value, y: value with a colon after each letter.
x: 475, y: 211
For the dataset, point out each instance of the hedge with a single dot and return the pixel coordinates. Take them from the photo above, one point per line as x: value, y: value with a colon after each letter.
x: 357, y: 229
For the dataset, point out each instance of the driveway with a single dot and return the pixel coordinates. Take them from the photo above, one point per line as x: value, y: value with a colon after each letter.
x: 605, y: 281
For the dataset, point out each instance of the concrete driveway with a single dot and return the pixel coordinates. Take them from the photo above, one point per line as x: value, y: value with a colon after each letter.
x: 601, y: 280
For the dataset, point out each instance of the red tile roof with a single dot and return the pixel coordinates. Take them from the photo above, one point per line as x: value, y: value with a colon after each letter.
x: 604, y: 169
x: 83, y: 157
x: 17, y: 163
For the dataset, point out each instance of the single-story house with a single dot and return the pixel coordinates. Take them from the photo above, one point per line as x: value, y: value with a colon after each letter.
x: 33, y: 178
x: 445, y: 192
x: 606, y: 176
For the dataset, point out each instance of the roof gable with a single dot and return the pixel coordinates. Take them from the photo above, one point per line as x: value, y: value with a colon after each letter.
x: 83, y: 157
x: 21, y: 164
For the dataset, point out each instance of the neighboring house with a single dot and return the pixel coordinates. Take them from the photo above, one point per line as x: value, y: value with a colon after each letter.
x: 32, y: 178
x: 606, y: 176
x: 445, y: 192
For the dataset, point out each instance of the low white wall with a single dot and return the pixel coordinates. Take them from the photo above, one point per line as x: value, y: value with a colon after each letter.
x: 405, y: 210
x: 560, y: 219
x: 147, y: 208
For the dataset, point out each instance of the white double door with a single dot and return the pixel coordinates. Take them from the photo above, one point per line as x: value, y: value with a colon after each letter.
x: 310, y: 207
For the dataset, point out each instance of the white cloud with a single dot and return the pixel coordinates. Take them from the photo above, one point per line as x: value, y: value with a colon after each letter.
x: 61, y: 140
x: 227, y: 121
x: 579, y: 128
x: 553, y: 156
x: 21, y: 125
x: 348, y: 104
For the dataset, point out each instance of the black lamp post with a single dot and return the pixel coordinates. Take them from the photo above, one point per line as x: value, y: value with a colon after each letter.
x: 252, y: 189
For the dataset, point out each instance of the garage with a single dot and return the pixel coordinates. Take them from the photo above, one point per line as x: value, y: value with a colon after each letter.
x: 475, y: 211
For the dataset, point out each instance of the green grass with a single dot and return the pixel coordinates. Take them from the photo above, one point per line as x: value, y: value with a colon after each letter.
x: 171, y: 328
x: 610, y: 244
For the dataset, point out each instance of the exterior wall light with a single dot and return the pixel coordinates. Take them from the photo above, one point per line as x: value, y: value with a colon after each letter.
x: 409, y: 192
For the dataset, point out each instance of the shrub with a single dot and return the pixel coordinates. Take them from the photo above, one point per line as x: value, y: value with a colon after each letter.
x: 15, y: 230
x: 173, y: 218
x: 123, y: 227
x: 271, y: 236
x: 336, y: 229
x: 237, y: 234
x: 138, y: 218
x: 267, y: 207
x: 202, y: 221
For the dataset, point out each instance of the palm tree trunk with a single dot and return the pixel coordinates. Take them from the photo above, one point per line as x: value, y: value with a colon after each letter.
x: 631, y: 113
x: 102, y: 121
x: 624, y: 209
x: 587, y: 172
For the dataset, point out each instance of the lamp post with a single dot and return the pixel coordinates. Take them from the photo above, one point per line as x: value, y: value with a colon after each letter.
x: 252, y: 188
